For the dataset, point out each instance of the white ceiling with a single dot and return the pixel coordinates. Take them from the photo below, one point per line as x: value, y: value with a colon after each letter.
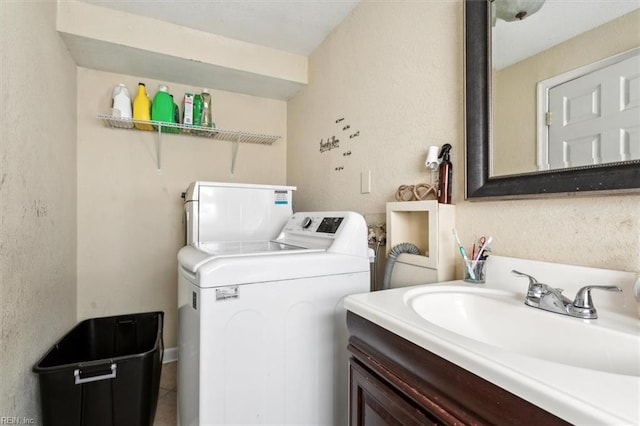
x: 299, y: 26
x: 557, y: 21
x: 296, y: 26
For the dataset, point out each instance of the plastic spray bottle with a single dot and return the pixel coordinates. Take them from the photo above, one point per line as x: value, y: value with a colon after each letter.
x: 445, y: 172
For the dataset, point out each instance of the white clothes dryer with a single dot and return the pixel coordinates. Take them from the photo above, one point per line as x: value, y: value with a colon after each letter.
x: 262, y: 330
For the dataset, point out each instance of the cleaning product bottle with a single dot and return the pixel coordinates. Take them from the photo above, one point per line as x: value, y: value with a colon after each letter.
x: 197, y: 109
x: 445, y: 172
x: 121, y: 105
x: 206, y: 109
x: 142, y: 108
x: 162, y: 107
x: 187, y: 109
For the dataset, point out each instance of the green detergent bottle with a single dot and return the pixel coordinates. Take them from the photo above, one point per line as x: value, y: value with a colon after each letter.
x: 162, y: 107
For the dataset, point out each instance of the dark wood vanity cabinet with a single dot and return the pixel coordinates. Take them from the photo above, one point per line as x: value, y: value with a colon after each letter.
x: 374, y: 403
x: 395, y: 382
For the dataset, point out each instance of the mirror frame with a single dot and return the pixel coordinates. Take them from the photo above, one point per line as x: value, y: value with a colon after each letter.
x: 618, y: 177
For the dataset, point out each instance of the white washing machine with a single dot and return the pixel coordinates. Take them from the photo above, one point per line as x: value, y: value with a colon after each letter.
x: 262, y: 330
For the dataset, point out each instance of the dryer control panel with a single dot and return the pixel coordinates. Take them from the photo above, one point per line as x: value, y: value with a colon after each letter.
x: 339, y: 232
x: 309, y: 223
x: 327, y: 225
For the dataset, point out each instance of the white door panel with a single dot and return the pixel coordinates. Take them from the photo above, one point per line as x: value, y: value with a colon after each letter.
x: 630, y: 140
x: 630, y: 92
x: 595, y: 118
x: 580, y: 106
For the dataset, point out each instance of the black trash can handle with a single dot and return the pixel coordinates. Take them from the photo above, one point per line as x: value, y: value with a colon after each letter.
x: 80, y: 380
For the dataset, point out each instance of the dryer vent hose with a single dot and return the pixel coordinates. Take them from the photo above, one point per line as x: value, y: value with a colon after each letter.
x: 391, y: 260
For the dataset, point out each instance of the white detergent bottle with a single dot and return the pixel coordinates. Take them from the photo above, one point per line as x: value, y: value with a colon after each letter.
x: 121, y: 106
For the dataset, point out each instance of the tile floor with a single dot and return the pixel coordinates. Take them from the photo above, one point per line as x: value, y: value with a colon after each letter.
x: 166, y: 411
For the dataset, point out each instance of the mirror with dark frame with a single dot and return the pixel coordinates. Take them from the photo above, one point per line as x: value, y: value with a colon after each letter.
x: 480, y: 183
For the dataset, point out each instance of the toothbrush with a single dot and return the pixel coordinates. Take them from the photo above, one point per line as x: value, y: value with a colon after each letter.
x: 482, y: 249
x: 472, y: 275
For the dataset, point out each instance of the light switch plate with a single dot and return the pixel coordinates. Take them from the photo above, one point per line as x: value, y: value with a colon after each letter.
x: 365, y: 182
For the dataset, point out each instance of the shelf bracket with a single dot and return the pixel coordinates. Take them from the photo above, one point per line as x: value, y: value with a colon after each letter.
x: 236, y: 144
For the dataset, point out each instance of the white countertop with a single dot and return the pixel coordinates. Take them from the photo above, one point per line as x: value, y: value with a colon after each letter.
x: 578, y: 395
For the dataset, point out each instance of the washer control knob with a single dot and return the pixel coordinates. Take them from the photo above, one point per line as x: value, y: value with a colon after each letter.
x: 306, y: 222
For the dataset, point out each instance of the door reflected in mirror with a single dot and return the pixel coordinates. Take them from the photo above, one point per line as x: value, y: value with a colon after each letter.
x: 565, y: 85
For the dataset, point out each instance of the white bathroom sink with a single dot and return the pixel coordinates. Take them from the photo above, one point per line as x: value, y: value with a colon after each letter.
x: 583, y: 371
x: 501, y: 319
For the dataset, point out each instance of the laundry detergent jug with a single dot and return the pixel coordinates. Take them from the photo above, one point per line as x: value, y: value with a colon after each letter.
x: 162, y: 107
x: 121, y: 105
x: 142, y: 108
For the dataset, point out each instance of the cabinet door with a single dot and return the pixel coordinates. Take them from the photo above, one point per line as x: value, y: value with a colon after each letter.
x: 373, y: 403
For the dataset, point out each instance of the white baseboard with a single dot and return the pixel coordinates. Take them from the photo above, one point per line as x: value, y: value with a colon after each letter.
x: 170, y: 355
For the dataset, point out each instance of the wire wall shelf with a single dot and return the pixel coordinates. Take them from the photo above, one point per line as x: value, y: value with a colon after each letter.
x: 161, y: 128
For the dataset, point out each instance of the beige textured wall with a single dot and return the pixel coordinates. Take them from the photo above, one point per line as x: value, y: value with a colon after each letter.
x: 130, y: 217
x: 394, y: 71
x: 599, y: 231
x: 514, y: 88
x: 37, y: 198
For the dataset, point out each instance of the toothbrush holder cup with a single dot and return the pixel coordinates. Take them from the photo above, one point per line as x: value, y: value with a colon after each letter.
x: 474, y: 271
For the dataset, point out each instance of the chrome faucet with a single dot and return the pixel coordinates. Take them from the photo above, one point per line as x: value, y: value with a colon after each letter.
x: 543, y: 296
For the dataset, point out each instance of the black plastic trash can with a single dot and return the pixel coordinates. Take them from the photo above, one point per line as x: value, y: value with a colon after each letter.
x: 104, y: 372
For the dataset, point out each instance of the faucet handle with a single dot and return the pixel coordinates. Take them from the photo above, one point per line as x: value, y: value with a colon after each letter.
x: 532, y: 280
x: 535, y: 289
x: 583, y: 297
